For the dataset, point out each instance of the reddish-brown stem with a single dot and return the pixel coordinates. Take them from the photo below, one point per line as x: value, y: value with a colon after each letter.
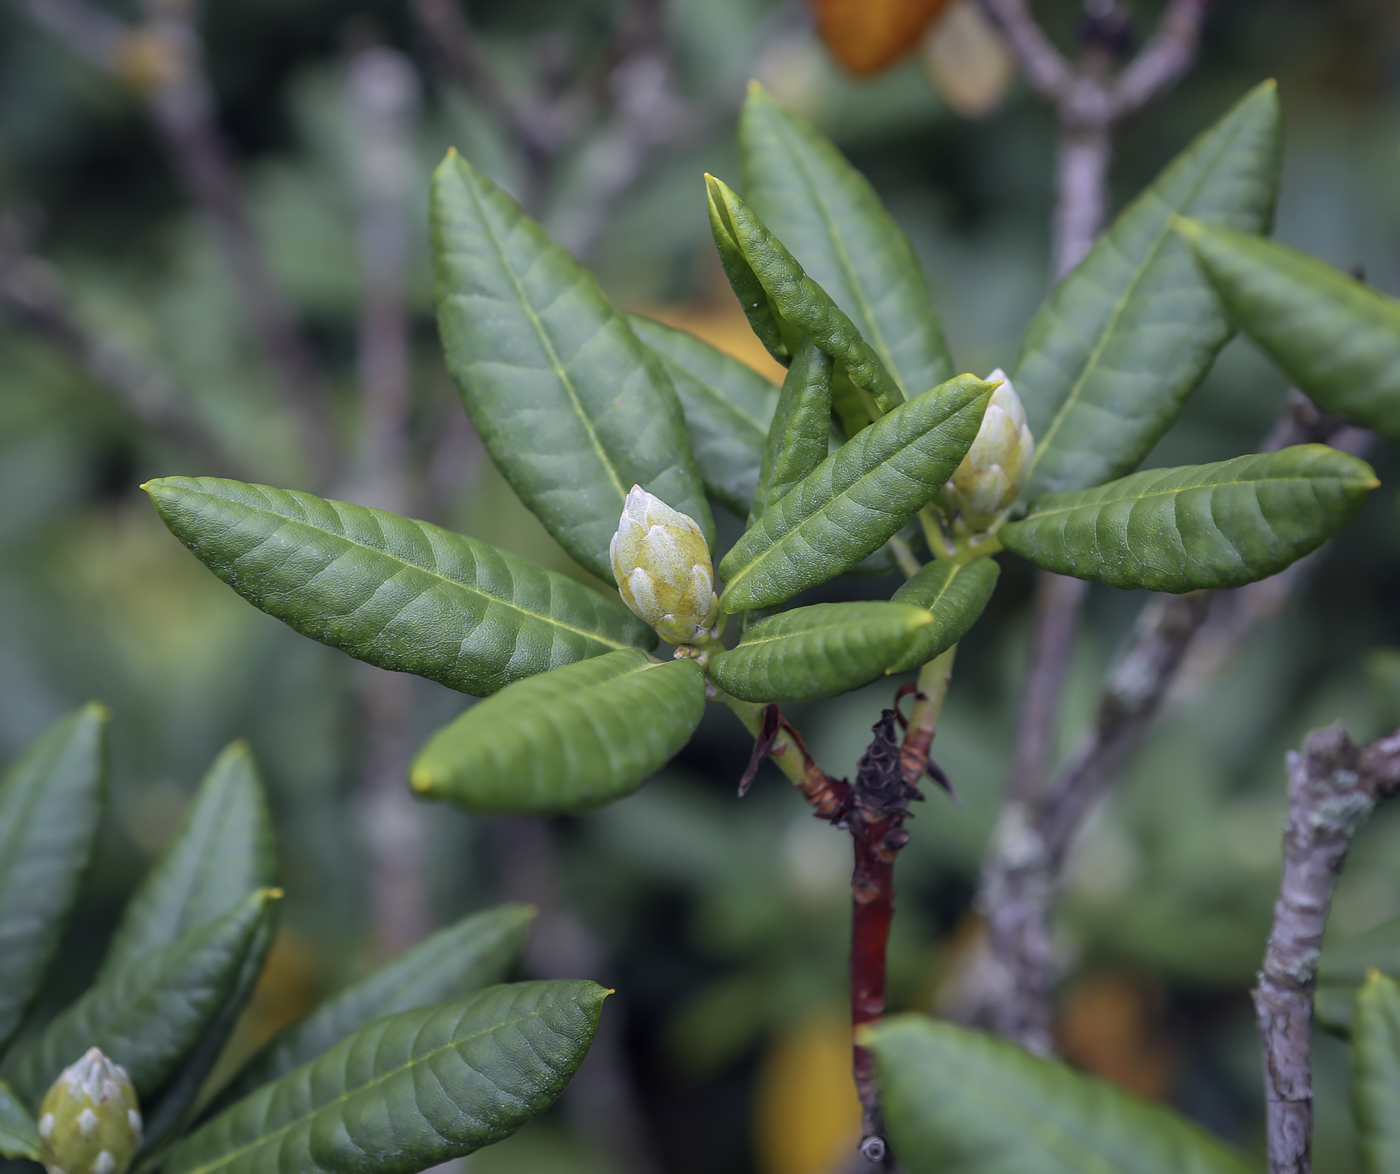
x: 872, y: 909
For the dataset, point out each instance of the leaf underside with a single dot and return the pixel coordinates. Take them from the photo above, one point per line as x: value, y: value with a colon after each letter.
x: 956, y: 595
x: 1199, y: 526
x: 1375, y: 1040
x: 964, y: 1102
x: 1334, y: 337
x: 408, y: 1091
x: 1111, y: 356
x: 818, y: 651
x: 404, y: 595
x: 573, y: 409
x: 564, y: 741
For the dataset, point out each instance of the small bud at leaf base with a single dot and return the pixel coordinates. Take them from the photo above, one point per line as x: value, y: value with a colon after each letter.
x: 89, y: 1121
x: 661, y: 562
x: 990, y: 476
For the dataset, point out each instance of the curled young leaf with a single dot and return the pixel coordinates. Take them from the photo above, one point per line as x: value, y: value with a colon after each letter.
x: 564, y: 741
x: 800, y: 433
x: 1220, y: 525
x: 818, y: 651
x: 1333, y: 336
x: 1375, y: 1041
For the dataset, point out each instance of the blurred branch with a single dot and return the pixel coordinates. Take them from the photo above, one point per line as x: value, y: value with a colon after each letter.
x: 163, y: 61
x: 1014, y: 971
x: 1333, y: 786
x: 1161, y: 62
x: 31, y: 291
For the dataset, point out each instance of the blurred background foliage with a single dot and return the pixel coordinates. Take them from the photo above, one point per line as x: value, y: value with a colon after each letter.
x: 722, y: 923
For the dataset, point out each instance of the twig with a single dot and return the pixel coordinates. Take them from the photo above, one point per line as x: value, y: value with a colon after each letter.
x: 163, y: 60
x: 1161, y: 62
x: 32, y: 292
x: 1333, y: 788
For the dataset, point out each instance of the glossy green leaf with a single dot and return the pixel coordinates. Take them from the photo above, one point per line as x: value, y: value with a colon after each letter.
x: 1375, y: 1042
x: 409, y: 1091
x: 19, y: 1134
x: 826, y: 212
x: 818, y: 651
x: 572, y: 407
x: 147, y: 1015
x: 222, y: 852
x: 956, y: 595
x: 964, y: 1102
x: 1115, y: 350
x: 403, y: 595
x: 476, y: 952
x: 1344, y: 967
x: 793, y: 296
x: 856, y: 499
x: 569, y: 740
x: 1333, y: 336
x: 728, y: 406
x: 1220, y: 525
x: 800, y: 435
x: 50, y: 804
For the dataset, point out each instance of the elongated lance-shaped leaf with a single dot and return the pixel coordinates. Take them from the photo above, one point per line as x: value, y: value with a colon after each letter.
x: 778, y: 336
x: 1375, y: 1042
x: 222, y: 852
x: 147, y: 1015
x: 572, y: 407
x: 828, y: 215
x: 800, y: 434
x: 857, y: 498
x: 956, y: 595
x: 50, y: 804
x: 818, y: 651
x: 19, y: 1133
x: 410, y: 1091
x: 170, y: 1109
x: 965, y: 1102
x: 795, y: 297
x: 1220, y: 525
x: 400, y: 594
x: 1115, y: 350
x: 476, y: 952
x: 1333, y: 336
x: 565, y: 741
x: 728, y: 406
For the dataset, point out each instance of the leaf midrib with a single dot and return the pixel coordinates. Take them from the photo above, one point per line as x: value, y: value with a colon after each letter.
x: 1085, y: 505
x: 896, y: 625
x: 547, y: 343
x: 429, y: 571
x: 413, y: 1062
x: 1091, y: 364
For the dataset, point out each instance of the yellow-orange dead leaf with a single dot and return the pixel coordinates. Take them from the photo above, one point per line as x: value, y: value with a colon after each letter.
x: 968, y: 61
x: 806, y: 1115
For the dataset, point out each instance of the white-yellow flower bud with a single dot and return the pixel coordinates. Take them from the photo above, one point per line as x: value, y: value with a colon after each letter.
x: 662, y: 565
x: 89, y: 1122
x: 991, y: 474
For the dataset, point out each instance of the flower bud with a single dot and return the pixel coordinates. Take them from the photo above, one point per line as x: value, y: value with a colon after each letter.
x: 662, y: 565
x: 89, y: 1122
x: 995, y: 467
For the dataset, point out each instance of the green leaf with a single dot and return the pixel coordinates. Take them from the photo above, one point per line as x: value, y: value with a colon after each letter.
x: 1220, y: 525
x: 856, y: 499
x: 564, y: 741
x: 1115, y: 350
x: 1333, y: 336
x: 149, y: 1014
x: 728, y: 406
x: 963, y: 1102
x: 476, y: 952
x: 19, y: 1135
x: 50, y: 804
x: 956, y: 594
x: 827, y: 213
x: 222, y: 852
x: 818, y: 651
x: 410, y: 1091
x: 403, y: 595
x: 1344, y: 967
x: 794, y: 297
x: 573, y: 409
x: 1375, y: 1041
x: 800, y: 434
